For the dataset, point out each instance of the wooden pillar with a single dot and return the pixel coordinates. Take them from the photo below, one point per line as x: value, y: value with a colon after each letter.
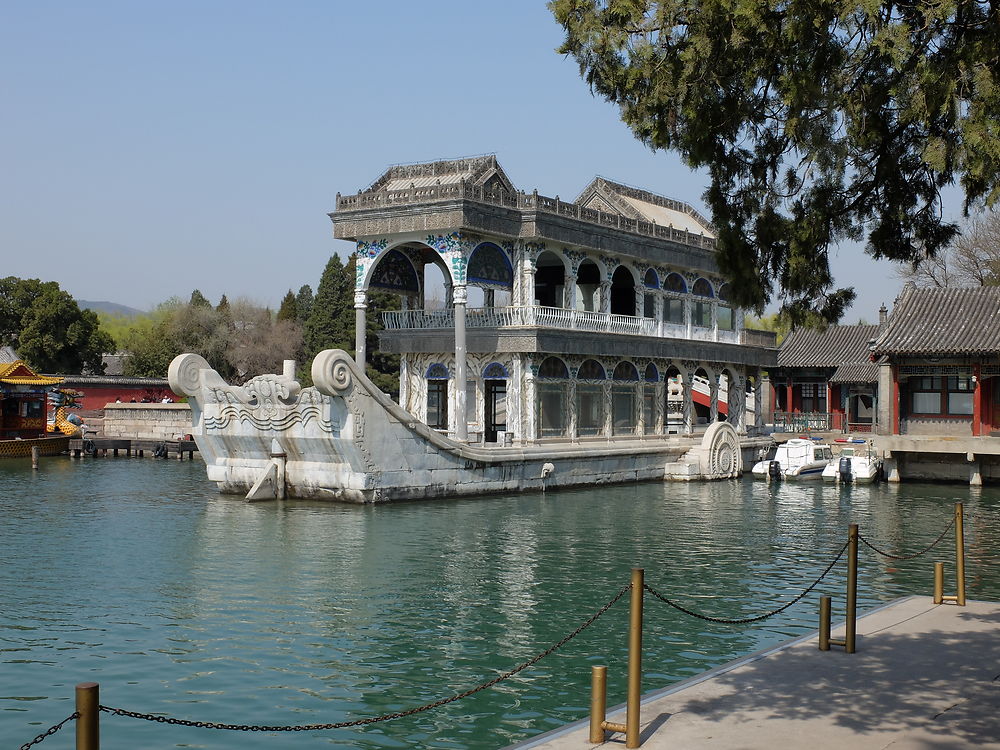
x: 895, y: 399
x: 977, y: 401
x: 788, y: 396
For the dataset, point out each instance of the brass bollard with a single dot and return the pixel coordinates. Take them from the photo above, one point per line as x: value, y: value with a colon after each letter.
x: 824, y: 623
x: 938, y: 582
x: 88, y: 730
x: 634, y: 661
x: 849, y: 640
x: 598, y: 703
x: 960, y: 554
x: 959, y: 597
x: 599, y: 678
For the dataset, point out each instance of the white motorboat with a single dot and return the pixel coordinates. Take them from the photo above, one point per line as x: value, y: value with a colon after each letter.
x: 797, y: 458
x: 856, y: 463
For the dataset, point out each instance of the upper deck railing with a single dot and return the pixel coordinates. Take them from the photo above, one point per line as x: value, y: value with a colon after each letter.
x: 537, y: 316
x: 527, y: 201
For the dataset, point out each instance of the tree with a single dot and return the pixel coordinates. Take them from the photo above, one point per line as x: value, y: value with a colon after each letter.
x: 331, y: 322
x: 199, y: 300
x: 816, y: 121
x: 48, y: 329
x: 304, y: 303
x: 973, y: 259
x: 776, y: 323
x: 223, y: 304
x: 289, y: 308
x: 259, y: 343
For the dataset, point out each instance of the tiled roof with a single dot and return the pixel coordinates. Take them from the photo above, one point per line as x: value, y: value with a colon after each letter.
x: 18, y: 373
x: 835, y: 347
x: 481, y: 171
x: 943, y: 322
x: 614, y: 197
x: 856, y: 373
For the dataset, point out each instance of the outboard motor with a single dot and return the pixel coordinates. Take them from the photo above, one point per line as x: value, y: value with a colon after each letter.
x: 773, y: 471
x: 844, y: 469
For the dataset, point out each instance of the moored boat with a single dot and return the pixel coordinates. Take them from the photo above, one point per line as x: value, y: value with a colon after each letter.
x: 855, y: 464
x: 798, y: 458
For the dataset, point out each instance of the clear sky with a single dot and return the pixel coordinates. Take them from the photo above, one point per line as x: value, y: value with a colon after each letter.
x: 149, y: 149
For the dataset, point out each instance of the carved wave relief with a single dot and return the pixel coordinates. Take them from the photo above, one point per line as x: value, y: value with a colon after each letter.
x: 269, y: 416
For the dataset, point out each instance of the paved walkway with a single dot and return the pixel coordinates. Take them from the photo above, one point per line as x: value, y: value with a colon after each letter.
x: 924, y: 677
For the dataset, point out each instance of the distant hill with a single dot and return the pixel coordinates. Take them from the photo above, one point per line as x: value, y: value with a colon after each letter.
x: 112, y: 308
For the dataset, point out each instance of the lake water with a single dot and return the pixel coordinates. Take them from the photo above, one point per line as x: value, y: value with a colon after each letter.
x: 136, y: 574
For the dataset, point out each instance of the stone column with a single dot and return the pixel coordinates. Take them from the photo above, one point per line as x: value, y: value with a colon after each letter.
x: 459, y: 294
x: 360, y: 327
x: 640, y: 301
x: 609, y: 421
x: 713, y: 394
x: 489, y: 298
x: 736, y: 400
x: 573, y: 423
x: 758, y: 400
x: 529, y: 419
x: 658, y: 313
x: 688, y: 412
x: 404, y: 380
x: 605, y: 288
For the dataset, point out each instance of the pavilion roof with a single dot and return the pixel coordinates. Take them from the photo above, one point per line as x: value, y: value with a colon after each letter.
x: 18, y: 373
x: 943, y: 322
x: 845, y: 348
x: 478, y: 171
x: 614, y: 197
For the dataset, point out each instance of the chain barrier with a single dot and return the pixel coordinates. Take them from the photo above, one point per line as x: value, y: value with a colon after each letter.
x: 50, y: 731
x: 373, y: 719
x: 758, y: 618
x: 934, y: 544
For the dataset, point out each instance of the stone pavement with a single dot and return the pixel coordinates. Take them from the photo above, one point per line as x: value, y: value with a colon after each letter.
x: 924, y: 677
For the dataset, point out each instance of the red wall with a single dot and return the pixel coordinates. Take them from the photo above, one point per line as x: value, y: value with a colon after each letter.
x: 95, y: 397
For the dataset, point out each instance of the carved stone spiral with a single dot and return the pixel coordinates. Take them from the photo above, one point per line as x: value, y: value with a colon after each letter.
x: 722, y: 444
x: 331, y: 372
x: 184, y: 374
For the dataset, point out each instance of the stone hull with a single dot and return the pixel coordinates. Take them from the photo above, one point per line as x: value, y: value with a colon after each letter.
x: 344, y: 440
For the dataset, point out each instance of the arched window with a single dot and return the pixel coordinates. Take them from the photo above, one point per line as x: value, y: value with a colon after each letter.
x: 590, y: 399
x: 673, y: 306
x: 623, y: 395
x: 588, y: 284
x: 495, y: 371
x: 437, y: 396
x: 701, y: 310
x: 591, y: 369
x: 553, y: 367
x: 650, y: 279
x: 437, y: 371
x: 551, y: 397
x: 625, y: 371
x: 652, y: 374
x: 675, y: 283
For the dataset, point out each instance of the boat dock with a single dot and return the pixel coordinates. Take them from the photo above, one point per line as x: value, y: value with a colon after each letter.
x: 924, y: 677
x: 103, y: 446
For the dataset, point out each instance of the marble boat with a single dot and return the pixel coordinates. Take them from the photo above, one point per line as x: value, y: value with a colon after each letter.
x: 344, y: 440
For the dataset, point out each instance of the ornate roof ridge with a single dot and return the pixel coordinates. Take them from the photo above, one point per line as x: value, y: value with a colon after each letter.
x: 644, y: 195
x: 476, y: 167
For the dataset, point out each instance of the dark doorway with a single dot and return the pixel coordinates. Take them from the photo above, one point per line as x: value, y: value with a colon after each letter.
x: 496, y: 409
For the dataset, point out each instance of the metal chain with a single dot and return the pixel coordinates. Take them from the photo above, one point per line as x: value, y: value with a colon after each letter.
x: 745, y: 620
x: 50, y: 731
x: 373, y: 719
x: 934, y: 544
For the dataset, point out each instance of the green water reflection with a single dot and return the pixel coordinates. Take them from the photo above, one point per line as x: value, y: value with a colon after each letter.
x: 137, y: 575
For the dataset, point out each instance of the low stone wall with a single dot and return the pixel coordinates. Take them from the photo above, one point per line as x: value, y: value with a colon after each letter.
x: 147, y: 421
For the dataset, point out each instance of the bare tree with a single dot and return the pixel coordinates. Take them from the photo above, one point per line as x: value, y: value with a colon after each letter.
x: 972, y: 259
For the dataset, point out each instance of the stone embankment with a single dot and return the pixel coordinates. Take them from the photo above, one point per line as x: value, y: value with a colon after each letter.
x: 146, y: 421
